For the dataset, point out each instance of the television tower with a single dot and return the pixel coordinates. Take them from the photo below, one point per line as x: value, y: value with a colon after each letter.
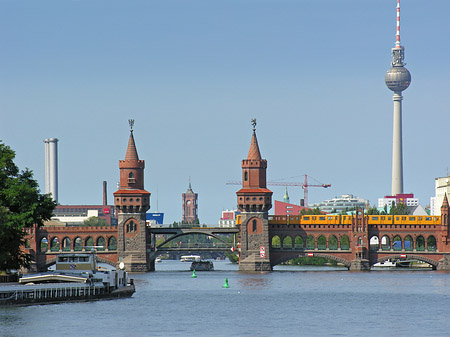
x: 397, y: 79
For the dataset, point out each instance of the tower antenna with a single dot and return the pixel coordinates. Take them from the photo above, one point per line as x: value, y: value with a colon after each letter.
x: 397, y: 35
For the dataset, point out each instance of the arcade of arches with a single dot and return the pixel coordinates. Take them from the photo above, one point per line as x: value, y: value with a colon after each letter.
x: 333, y: 242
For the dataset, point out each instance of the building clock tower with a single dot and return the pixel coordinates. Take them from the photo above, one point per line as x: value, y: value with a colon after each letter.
x: 190, y: 206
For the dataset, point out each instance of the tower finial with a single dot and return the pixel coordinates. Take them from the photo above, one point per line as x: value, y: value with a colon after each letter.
x: 131, y: 122
x: 254, y: 124
x: 397, y: 35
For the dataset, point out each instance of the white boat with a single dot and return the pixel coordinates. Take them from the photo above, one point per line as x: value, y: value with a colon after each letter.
x: 387, y: 263
x: 190, y: 258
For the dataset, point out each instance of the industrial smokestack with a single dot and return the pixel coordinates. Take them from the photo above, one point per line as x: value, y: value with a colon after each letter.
x: 105, y: 200
x: 51, y: 167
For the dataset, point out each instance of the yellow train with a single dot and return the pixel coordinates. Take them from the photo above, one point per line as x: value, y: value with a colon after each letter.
x: 326, y: 219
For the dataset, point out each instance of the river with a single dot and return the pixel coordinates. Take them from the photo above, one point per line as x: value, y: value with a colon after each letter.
x: 291, y: 301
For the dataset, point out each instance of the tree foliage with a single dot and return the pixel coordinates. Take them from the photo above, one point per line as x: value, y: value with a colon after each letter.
x: 399, y: 209
x: 311, y: 211
x: 95, y: 221
x: 21, y: 206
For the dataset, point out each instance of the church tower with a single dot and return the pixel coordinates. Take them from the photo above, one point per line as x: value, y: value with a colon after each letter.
x: 254, y: 201
x: 132, y: 201
x: 190, y: 206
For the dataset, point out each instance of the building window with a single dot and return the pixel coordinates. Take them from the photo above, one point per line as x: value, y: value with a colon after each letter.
x: 255, y: 227
x: 131, y: 179
x: 245, y: 176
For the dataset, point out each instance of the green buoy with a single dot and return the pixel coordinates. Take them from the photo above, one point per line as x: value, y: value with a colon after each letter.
x: 193, y: 274
x: 226, y: 284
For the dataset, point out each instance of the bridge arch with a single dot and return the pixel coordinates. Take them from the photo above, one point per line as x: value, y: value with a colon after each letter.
x: 189, y: 233
x: 294, y: 255
x: 425, y: 259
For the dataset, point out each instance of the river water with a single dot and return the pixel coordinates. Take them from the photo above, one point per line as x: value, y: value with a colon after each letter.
x: 291, y: 301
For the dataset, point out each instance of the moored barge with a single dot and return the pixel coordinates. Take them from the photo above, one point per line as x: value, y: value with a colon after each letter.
x: 76, y: 278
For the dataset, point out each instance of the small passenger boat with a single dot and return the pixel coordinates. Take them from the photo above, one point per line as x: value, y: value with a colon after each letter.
x: 202, y: 266
x: 190, y: 258
x: 76, y: 278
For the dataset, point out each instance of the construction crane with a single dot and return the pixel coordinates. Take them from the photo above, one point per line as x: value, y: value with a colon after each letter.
x: 304, y: 185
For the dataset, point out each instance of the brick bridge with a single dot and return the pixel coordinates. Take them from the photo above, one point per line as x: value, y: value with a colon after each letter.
x: 357, y: 241
x: 360, y: 241
x: 44, y: 243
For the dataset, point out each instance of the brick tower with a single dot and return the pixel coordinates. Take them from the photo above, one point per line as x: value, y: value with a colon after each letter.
x: 254, y: 201
x: 190, y: 206
x: 132, y: 201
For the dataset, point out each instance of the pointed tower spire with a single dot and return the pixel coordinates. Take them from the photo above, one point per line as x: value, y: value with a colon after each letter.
x: 131, y: 149
x: 445, y: 201
x: 254, y: 153
x: 286, y: 196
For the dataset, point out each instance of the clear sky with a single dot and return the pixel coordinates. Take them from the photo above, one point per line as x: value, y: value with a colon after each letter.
x: 193, y: 73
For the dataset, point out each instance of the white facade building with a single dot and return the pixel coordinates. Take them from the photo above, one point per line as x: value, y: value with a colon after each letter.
x: 228, y: 218
x: 344, y: 202
x: 442, y: 186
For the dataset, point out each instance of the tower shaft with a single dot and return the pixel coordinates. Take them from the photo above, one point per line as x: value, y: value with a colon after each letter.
x: 397, y: 152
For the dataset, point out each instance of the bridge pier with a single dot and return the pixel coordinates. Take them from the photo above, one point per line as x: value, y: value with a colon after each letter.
x: 359, y: 265
x: 444, y: 264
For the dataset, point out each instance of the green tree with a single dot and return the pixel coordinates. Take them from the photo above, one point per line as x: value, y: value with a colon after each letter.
x: 399, y: 209
x: 372, y: 211
x: 311, y: 211
x: 21, y: 206
x: 95, y: 221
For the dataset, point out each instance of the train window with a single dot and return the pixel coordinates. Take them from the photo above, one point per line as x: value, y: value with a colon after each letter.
x: 403, y: 217
x: 321, y: 218
x: 330, y: 218
x: 412, y: 218
x: 374, y: 218
x: 306, y: 218
x: 397, y: 218
x: 389, y: 218
x: 428, y: 218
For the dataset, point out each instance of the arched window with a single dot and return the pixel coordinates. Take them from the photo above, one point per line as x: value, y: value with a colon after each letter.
x: 276, y: 242
x: 397, y: 243
x: 78, y: 244
x: 287, y: 242
x: 27, y: 243
x: 101, y: 243
x: 112, y: 243
x: 374, y: 243
x: 310, y: 242
x: 131, y: 179
x: 255, y: 225
x: 420, y: 243
x: 345, y: 242
x: 333, y: 242
x: 299, y: 242
x: 408, y: 243
x: 321, y: 242
x: 431, y: 243
x: 385, y: 243
x: 245, y: 176
x: 89, y: 243
x: 55, y: 246
x: 43, y: 246
x: 66, y: 245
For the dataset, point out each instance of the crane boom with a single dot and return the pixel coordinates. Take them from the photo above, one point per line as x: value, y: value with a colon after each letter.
x: 304, y: 185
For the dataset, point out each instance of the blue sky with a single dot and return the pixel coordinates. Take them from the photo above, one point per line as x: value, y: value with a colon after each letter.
x: 193, y: 73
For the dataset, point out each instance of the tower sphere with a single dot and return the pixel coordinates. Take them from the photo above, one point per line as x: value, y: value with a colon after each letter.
x: 397, y: 78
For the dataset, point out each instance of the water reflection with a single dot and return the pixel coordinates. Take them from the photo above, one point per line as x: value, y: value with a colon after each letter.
x: 254, y: 282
